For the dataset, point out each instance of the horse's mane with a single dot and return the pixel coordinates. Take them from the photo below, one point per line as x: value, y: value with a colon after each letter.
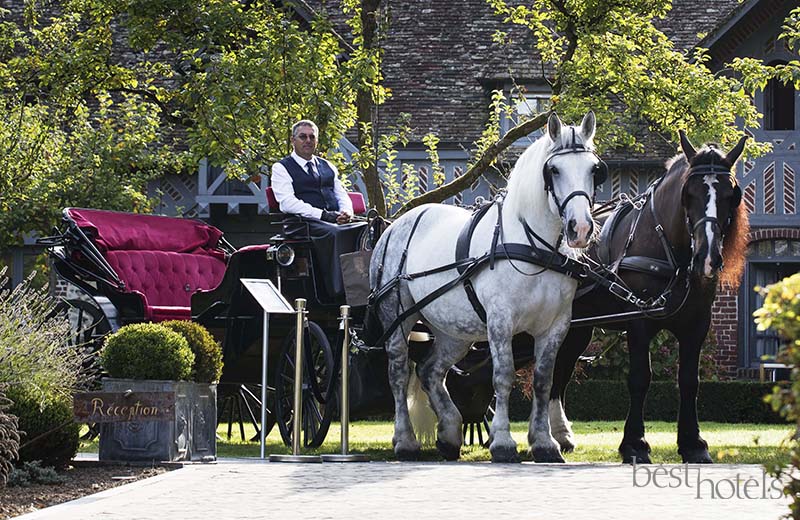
x: 734, y: 248
x: 734, y: 244
x: 521, y: 183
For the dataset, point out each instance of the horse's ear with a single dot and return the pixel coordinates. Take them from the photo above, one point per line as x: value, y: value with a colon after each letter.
x: 554, y: 127
x: 588, y: 126
x: 734, y: 154
x: 686, y: 146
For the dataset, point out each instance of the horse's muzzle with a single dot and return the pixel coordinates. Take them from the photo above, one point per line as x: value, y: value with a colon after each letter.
x: 579, y: 232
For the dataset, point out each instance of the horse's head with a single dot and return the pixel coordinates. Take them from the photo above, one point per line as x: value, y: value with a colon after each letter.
x: 572, y: 171
x: 710, y: 197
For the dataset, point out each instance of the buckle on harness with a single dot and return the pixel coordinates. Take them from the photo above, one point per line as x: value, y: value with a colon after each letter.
x: 622, y: 293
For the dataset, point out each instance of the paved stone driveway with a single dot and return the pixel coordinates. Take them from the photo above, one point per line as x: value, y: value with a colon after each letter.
x: 244, y: 489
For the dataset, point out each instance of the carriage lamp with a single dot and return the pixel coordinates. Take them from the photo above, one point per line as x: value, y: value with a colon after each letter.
x: 284, y: 255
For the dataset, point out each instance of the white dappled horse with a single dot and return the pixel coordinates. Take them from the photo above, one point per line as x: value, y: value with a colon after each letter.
x: 550, y: 191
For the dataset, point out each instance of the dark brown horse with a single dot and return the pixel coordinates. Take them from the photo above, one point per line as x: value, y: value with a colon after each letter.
x: 668, y: 248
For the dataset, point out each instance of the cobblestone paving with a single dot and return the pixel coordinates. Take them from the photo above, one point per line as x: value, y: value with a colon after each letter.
x: 236, y: 489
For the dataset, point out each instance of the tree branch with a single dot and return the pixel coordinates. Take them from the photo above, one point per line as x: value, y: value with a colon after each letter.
x: 476, y: 170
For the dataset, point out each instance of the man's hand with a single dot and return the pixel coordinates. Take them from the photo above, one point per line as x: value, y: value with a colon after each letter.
x: 343, y: 218
x: 330, y: 216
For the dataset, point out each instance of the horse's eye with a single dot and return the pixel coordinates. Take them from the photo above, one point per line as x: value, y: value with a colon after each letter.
x: 553, y: 170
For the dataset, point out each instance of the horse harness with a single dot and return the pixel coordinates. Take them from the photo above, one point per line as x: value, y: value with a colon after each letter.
x: 602, y: 274
x: 669, y: 269
x: 549, y: 258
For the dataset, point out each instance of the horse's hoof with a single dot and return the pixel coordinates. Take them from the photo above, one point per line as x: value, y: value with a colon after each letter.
x: 547, y: 455
x: 631, y: 455
x: 697, y: 456
x: 405, y: 455
x: 504, y: 454
x: 567, y: 446
x: 448, y: 451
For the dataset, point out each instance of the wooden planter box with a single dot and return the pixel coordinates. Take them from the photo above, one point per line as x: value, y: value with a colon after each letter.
x: 188, y: 434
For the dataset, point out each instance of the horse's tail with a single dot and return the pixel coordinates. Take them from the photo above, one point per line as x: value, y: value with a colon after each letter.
x: 423, y: 419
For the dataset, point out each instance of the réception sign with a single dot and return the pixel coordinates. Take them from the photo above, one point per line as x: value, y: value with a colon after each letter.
x: 97, y: 407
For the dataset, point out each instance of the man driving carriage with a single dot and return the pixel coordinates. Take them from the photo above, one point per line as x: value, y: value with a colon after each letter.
x: 308, y: 186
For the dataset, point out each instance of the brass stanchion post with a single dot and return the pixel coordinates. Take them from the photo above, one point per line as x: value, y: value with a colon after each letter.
x: 297, y: 417
x: 345, y: 396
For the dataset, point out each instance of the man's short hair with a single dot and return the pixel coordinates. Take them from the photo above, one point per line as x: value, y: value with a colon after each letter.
x: 304, y: 122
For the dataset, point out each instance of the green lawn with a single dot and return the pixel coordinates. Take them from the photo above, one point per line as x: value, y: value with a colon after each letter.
x: 597, y: 442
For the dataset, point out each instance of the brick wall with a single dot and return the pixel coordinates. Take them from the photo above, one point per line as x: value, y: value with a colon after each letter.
x: 725, y: 311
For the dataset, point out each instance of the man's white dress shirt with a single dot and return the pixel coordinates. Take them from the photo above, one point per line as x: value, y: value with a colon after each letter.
x: 284, y: 191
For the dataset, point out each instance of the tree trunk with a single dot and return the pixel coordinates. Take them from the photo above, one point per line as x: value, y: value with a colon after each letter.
x: 364, y: 108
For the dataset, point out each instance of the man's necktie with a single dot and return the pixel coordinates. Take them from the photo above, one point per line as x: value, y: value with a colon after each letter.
x: 311, y: 170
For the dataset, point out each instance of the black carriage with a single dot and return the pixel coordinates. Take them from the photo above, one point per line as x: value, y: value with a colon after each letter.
x: 135, y: 268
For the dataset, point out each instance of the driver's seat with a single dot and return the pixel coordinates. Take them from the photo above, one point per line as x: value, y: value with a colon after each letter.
x: 356, y: 198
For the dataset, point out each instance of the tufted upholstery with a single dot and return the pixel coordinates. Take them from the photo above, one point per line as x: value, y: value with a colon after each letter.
x: 166, y: 279
x: 162, y: 260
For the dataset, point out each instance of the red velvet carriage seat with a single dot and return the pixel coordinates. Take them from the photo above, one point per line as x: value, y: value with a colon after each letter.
x: 163, y: 260
x: 357, y: 199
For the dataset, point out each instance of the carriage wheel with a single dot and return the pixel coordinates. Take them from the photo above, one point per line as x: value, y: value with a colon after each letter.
x: 240, y: 403
x: 480, y: 427
x: 89, y: 326
x: 316, y: 415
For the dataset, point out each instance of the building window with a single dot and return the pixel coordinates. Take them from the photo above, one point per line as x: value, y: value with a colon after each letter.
x: 531, y: 105
x: 526, y: 103
x: 769, y: 261
x: 779, y: 104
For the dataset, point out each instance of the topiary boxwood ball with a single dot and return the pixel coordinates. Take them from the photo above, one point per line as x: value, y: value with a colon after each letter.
x: 207, y: 351
x: 147, y: 351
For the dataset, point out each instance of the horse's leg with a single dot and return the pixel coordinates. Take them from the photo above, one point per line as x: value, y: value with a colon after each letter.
x: 502, y: 447
x: 634, y: 448
x: 573, y: 346
x: 692, y: 447
x: 404, y: 441
x: 447, y: 353
x: 544, y: 447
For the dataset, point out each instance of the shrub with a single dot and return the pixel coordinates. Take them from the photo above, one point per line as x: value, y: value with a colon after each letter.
x: 719, y: 401
x: 35, y: 350
x: 147, y: 351
x: 781, y: 312
x: 207, y: 351
x: 9, y: 440
x: 34, y: 473
x: 47, y: 430
x: 610, y: 351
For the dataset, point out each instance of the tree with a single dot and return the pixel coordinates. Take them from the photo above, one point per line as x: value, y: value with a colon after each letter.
x: 99, y: 96
x: 58, y: 148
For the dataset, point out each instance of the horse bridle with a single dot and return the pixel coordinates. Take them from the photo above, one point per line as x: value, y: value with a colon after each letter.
x: 600, y: 173
x: 707, y: 169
